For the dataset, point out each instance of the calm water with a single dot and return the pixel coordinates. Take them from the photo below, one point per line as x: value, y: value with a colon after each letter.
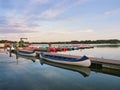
x: 40, y: 75
x: 101, y: 52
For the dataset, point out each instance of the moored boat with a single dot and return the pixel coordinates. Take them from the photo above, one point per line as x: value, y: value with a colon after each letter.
x: 26, y: 52
x: 83, y: 61
x: 85, y: 71
x: 26, y: 57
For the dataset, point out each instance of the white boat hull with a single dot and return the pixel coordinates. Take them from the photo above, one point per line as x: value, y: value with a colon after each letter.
x: 26, y: 53
x: 85, y: 63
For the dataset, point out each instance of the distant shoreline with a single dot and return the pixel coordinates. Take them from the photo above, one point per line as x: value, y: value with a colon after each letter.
x: 109, y: 41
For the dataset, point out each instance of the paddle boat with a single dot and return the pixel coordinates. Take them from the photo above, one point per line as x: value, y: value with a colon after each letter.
x: 83, y: 61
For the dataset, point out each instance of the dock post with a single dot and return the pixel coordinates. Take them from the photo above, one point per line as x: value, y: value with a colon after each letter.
x: 10, y: 52
x: 16, y: 56
x: 96, y: 65
x: 17, y: 52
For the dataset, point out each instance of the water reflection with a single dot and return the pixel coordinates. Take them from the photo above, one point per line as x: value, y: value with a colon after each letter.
x: 26, y: 57
x: 107, y: 45
x: 113, y: 72
x: 84, y: 71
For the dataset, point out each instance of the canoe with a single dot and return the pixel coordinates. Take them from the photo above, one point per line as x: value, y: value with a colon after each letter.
x: 26, y: 52
x: 83, y: 61
x: 84, y: 71
x: 18, y: 56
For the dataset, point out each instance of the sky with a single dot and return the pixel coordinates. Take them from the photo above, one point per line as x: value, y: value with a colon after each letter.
x: 59, y: 20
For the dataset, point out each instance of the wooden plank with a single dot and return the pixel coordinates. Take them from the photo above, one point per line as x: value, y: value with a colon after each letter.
x: 102, y: 60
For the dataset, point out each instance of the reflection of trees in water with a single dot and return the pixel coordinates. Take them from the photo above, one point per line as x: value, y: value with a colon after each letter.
x: 115, y: 46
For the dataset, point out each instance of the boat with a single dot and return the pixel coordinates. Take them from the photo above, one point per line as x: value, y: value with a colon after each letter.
x: 83, y: 61
x: 26, y: 57
x: 84, y: 71
x: 26, y: 52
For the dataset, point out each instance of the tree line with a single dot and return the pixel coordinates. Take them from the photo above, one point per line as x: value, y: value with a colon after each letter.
x: 110, y: 41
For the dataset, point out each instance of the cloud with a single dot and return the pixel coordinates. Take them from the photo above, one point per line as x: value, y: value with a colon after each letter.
x: 22, y: 18
x: 112, y: 12
x: 13, y: 23
x: 34, y: 6
x: 24, y: 15
x: 64, y: 32
x: 59, y: 8
x: 65, y: 35
x: 39, y: 1
x: 86, y: 31
x: 14, y: 30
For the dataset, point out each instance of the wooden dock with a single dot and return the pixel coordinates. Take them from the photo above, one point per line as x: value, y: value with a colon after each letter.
x: 97, y: 62
x: 105, y: 63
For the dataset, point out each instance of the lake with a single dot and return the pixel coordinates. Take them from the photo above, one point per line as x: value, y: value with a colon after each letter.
x: 41, y: 75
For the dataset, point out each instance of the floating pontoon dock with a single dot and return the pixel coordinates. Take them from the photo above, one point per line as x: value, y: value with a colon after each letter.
x: 98, y: 62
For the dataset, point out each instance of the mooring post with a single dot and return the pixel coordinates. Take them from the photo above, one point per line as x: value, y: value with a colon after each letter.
x: 17, y: 58
x: 17, y: 45
x: 17, y: 55
x: 10, y: 52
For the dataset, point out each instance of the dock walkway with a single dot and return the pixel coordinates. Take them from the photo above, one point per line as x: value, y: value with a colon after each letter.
x: 106, y: 63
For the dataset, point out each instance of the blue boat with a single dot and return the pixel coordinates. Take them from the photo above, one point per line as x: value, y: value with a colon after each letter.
x: 83, y: 61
